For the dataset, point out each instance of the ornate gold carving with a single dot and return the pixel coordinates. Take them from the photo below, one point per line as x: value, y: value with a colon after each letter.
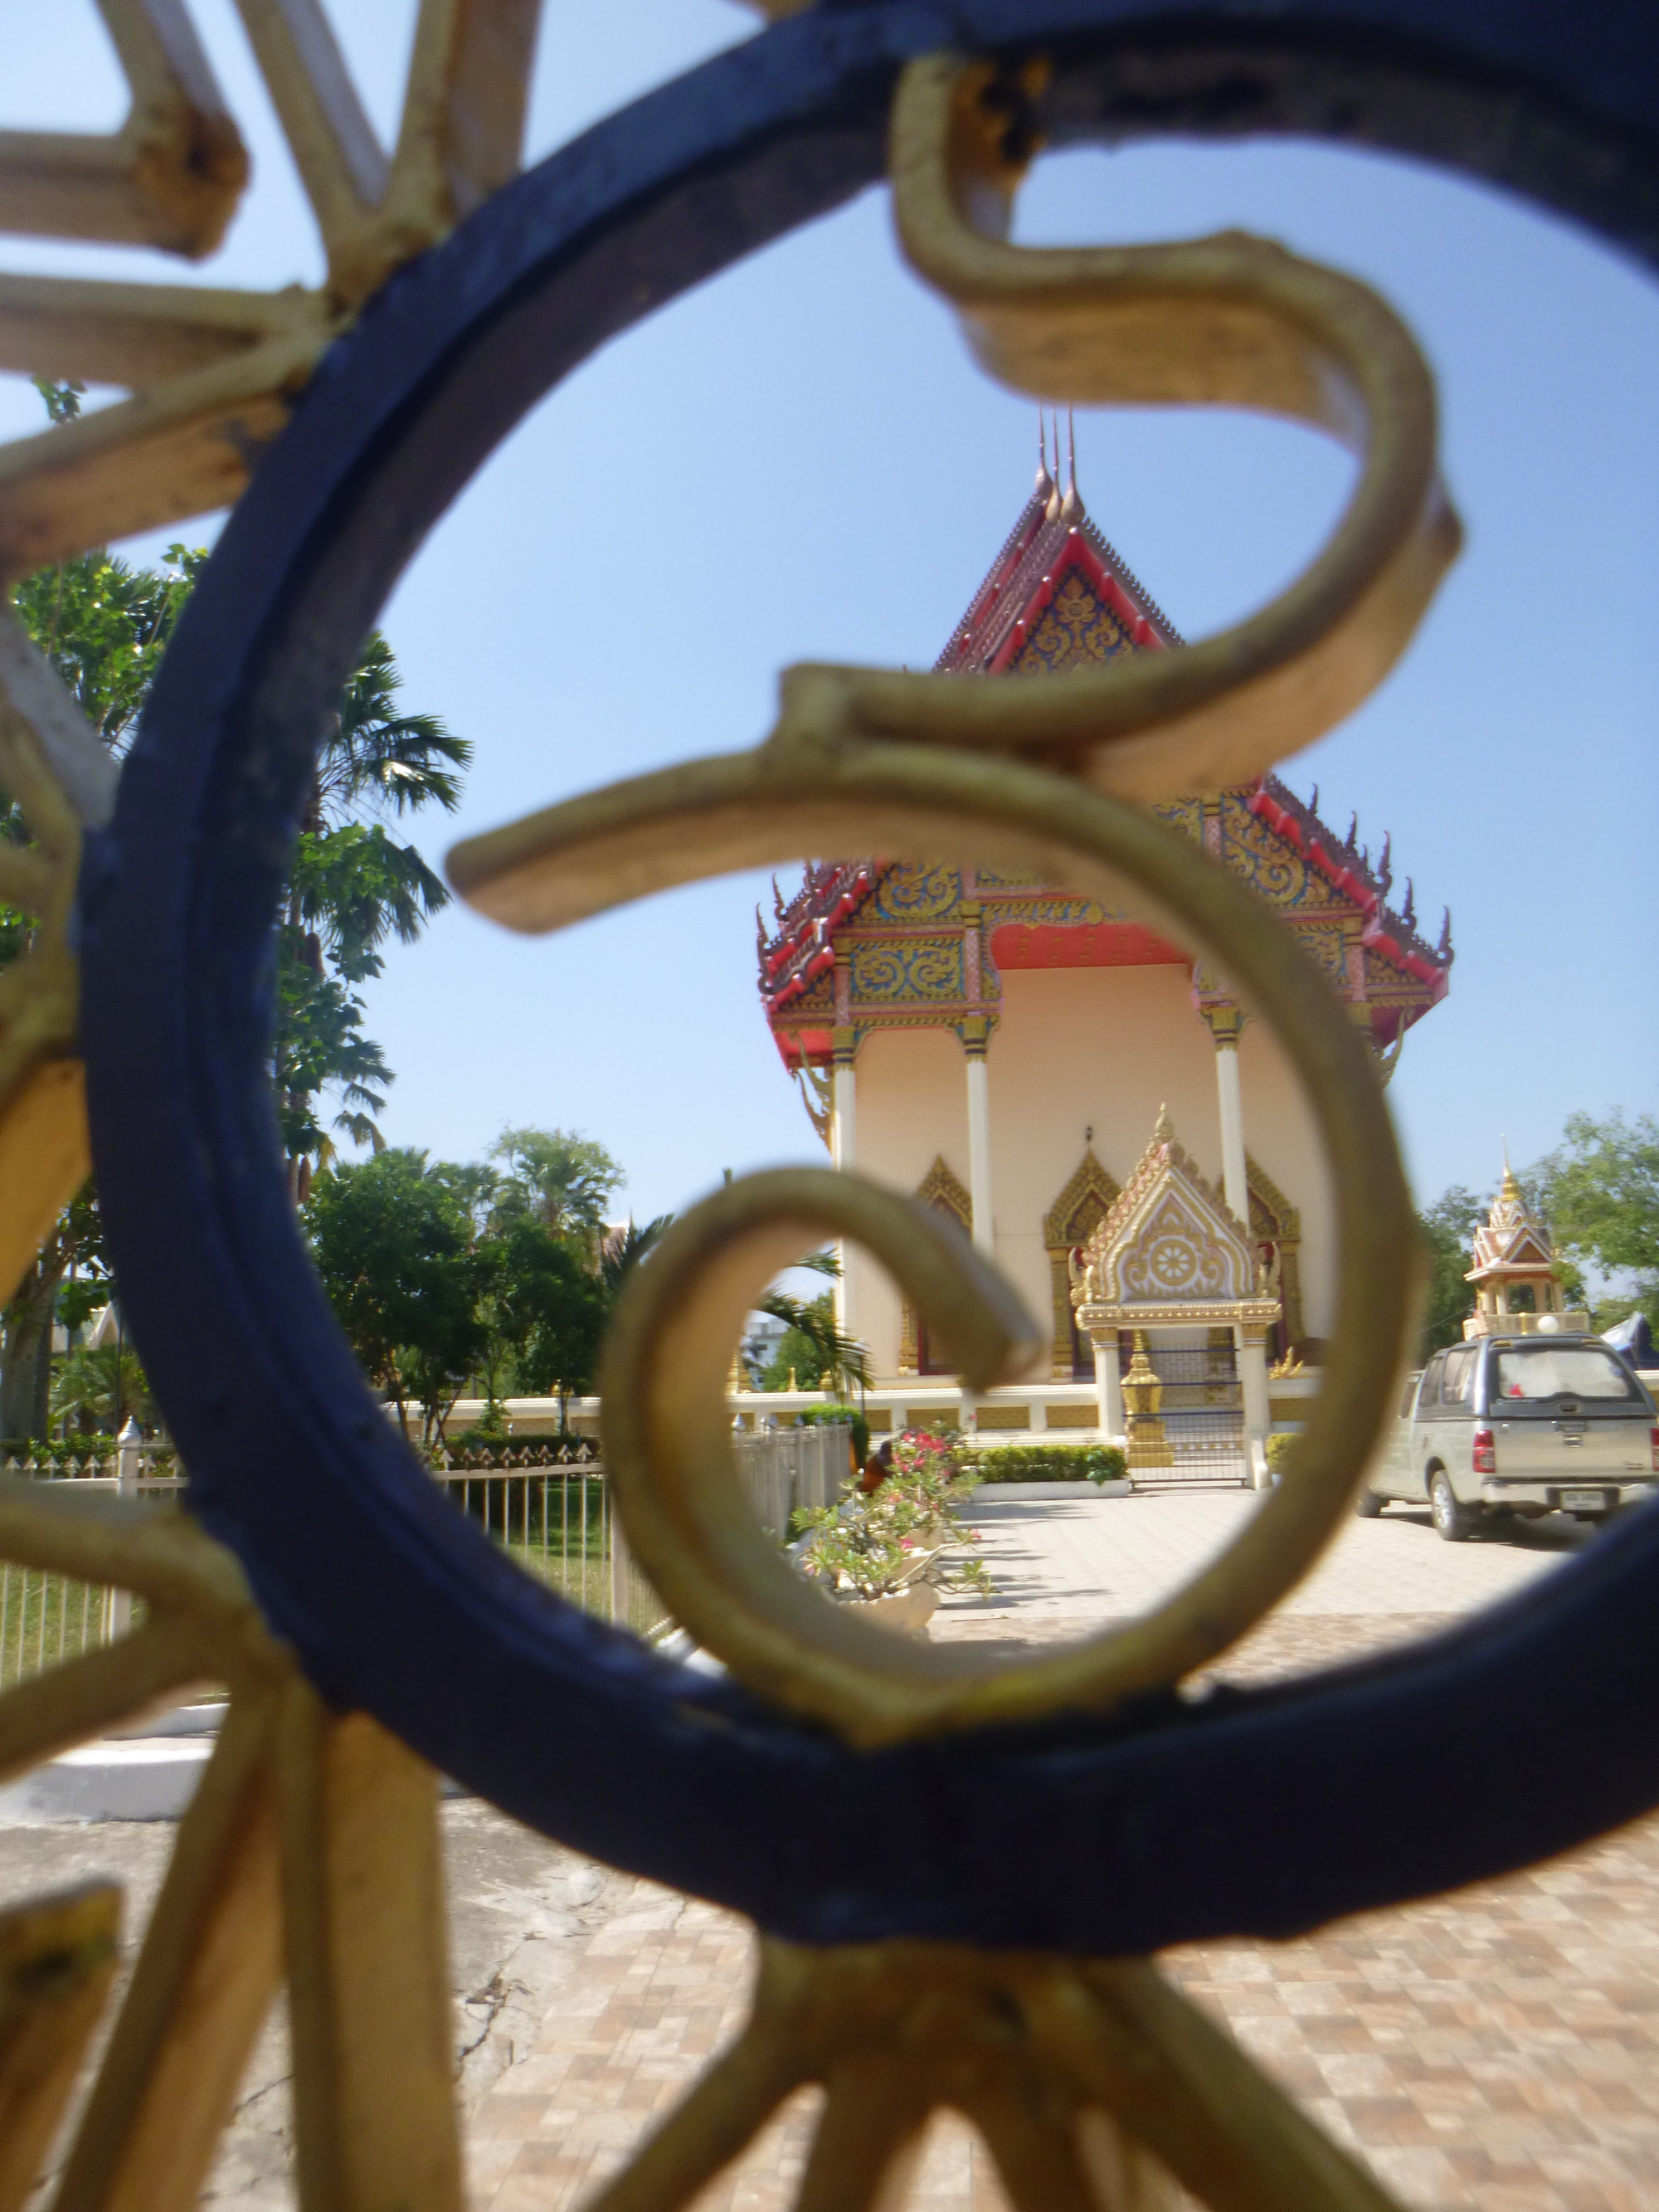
x: 1229, y: 320
x: 1275, y: 1221
x: 320, y: 1829
x: 213, y: 373
x: 1069, y: 1223
x: 911, y: 893
x: 1169, y: 1252
x: 943, y: 1191
x: 907, y: 968
x: 1076, y: 629
x: 1143, y: 1398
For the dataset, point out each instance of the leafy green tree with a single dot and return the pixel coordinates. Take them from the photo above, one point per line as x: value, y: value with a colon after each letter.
x: 558, y: 1178
x: 1448, y: 1227
x: 811, y: 1345
x: 76, y: 1242
x: 351, y: 887
x: 1600, y: 1192
x: 623, y: 1250
x: 553, y: 1311
x: 402, y: 1272
x: 97, y: 1386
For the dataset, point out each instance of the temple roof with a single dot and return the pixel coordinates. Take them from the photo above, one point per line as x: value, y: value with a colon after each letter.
x: 1052, y: 538
x: 1058, y: 595
x: 1510, y: 1242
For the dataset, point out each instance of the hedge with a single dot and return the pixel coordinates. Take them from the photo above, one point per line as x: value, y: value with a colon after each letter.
x: 1048, y: 1463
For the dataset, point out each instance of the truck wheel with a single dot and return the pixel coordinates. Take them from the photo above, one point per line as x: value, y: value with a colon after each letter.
x: 1453, y: 1521
x: 1368, y: 1504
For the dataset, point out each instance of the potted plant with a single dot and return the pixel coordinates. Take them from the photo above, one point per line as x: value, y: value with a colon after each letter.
x: 893, y: 1549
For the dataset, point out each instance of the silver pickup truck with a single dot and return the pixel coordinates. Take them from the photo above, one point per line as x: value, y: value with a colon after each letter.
x: 1525, y: 1425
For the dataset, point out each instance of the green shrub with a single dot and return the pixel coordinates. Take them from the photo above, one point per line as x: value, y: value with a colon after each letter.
x: 97, y: 1445
x: 1279, y: 1445
x: 1049, y: 1463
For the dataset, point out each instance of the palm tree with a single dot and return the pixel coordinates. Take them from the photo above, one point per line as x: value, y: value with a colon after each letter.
x: 558, y: 1178
x: 624, y: 1247
x: 97, y: 1386
x: 351, y: 886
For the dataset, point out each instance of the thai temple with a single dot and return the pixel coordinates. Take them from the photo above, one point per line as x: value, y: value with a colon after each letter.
x: 1045, y: 1070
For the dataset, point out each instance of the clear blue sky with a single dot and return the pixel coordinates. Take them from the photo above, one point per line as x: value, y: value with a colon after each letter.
x: 799, y: 460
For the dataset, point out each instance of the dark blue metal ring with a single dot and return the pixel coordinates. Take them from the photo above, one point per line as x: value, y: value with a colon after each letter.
x: 1519, y: 1734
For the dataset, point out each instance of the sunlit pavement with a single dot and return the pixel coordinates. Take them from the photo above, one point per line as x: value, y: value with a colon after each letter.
x: 1498, y: 2050
x: 1064, y: 1569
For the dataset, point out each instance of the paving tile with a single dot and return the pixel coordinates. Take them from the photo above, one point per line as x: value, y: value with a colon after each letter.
x: 1498, y: 2050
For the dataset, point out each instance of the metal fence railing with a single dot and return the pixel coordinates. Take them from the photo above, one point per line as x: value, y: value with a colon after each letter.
x: 785, y: 1471
x: 552, y: 1518
x: 45, y: 1618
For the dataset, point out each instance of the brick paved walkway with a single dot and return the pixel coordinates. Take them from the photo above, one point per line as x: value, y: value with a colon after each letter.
x: 1498, y: 2050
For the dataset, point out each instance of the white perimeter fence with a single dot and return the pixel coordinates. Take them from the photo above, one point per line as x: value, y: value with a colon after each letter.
x: 553, y: 1518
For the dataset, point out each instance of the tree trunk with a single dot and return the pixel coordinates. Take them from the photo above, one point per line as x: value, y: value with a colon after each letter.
x: 43, y: 1381
x: 28, y: 1321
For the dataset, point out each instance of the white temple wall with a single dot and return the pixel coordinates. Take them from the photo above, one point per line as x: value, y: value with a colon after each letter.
x: 1100, y: 1048
x: 912, y: 1109
x: 1280, y: 1137
x: 1088, y: 1047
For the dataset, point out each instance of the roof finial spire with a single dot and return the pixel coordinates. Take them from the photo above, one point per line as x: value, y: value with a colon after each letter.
x: 1053, y: 509
x: 1045, y: 483
x: 1070, y: 507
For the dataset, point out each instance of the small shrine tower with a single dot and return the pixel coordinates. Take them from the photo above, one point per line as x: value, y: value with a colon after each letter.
x: 1517, y: 1275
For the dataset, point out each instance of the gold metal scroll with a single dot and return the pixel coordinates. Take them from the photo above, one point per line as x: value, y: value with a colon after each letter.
x: 309, y: 1852
x: 666, y: 1420
x: 211, y: 374
x: 1227, y: 321
x: 1096, y: 2087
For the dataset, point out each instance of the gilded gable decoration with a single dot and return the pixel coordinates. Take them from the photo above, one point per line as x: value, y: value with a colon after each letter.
x: 1275, y: 1223
x: 946, y: 1192
x: 1170, y: 1253
x: 1069, y: 1223
x: 1075, y: 628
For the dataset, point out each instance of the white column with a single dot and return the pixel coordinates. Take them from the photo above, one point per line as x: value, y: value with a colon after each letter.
x: 129, y: 1468
x: 1235, y: 1174
x: 1109, y: 1387
x: 979, y: 1149
x: 1257, y: 1413
x: 843, y: 1151
x: 843, y: 1108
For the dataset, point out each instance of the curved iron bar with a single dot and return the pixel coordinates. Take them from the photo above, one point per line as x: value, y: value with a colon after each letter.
x: 1265, y: 1812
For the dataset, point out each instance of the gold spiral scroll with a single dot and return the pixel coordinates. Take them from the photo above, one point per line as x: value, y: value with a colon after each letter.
x: 666, y: 1424
x: 1225, y: 321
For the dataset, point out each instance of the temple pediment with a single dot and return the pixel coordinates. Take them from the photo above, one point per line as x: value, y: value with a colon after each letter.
x: 1170, y: 1251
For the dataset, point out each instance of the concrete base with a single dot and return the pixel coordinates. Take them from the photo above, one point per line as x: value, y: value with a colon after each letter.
x: 145, y: 1778
x: 149, y: 1772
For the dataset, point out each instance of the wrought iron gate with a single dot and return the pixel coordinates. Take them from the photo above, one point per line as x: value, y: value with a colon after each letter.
x: 1202, y: 1411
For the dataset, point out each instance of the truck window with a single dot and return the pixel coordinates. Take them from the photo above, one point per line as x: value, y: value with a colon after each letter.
x: 1530, y: 1372
x: 1458, y: 1379
x: 1406, y: 1395
x: 1430, y: 1395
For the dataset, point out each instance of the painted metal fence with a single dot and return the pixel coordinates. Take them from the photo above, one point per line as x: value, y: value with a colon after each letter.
x: 46, y: 1618
x: 551, y: 1515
